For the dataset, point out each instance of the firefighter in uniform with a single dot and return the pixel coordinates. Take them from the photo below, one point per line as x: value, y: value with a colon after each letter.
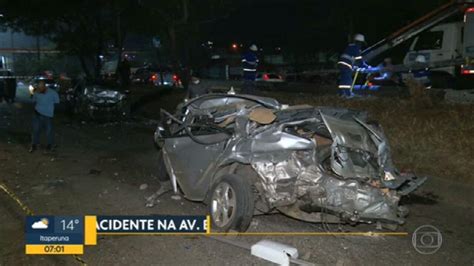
x: 349, y: 61
x: 249, y: 67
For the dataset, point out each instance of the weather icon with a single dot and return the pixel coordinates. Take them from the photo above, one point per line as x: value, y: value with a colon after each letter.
x: 41, y: 224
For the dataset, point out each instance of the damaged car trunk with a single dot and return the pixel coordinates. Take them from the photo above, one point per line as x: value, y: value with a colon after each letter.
x: 243, y: 154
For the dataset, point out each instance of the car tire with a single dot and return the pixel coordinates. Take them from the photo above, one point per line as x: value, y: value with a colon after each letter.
x: 232, y: 193
x: 161, y: 168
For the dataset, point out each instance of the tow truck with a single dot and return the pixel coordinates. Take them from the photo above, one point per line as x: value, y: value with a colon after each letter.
x: 447, y: 47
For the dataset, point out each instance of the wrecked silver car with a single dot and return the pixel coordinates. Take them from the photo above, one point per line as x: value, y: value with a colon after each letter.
x: 99, y: 102
x: 245, y: 154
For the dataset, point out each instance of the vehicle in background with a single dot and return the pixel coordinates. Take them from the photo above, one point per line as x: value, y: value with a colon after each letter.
x: 448, y: 48
x: 153, y: 76
x: 50, y: 83
x: 441, y: 43
x: 141, y: 76
x: 169, y: 79
x: 98, y: 102
x: 269, y: 77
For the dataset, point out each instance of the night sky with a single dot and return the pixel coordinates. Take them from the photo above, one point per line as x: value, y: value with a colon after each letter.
x: 316, y: 24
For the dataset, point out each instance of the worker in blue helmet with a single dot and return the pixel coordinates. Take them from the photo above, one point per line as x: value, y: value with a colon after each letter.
x: 249, y: 68
x: 350, y: 60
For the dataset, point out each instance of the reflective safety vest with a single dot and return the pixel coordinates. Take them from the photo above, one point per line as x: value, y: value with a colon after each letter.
x: 249, y: 65
x: 351, y: 57
x: 423, y: 76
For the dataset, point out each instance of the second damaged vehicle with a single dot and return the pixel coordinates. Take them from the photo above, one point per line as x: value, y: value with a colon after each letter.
x: 98, y: 102
x: 244, y: 154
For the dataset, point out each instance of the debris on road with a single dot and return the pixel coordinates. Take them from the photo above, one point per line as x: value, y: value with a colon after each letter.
x: 274, y: 252
x: 95, y: 172
x: 176, y: 197
x: 152, y: 199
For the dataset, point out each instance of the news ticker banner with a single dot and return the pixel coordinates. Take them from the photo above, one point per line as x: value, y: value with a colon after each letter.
x: 69, y: 234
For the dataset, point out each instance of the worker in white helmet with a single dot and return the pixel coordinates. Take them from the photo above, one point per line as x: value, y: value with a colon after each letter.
x: 422, y: 73
x: 349, y: 61
x: 249, y: 68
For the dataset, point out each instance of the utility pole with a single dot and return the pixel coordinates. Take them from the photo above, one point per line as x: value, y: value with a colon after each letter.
x: 38, y: 48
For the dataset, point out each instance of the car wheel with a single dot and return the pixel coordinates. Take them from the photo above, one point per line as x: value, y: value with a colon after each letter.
x: 161, y: 168
x: 231, y: 204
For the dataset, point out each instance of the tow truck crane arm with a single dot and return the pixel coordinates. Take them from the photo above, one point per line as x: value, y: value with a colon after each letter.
x: 421, y: 24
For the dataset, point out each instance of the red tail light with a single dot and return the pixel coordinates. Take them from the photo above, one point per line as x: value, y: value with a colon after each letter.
x: 265, y: 77
x: 175, y: 77
x: 470, y: 10
x: 154, y: 77
x: 467, y: 71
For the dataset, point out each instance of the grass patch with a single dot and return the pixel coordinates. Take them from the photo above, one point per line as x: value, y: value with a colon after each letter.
x: 434, y: 140
x: 429, y: 139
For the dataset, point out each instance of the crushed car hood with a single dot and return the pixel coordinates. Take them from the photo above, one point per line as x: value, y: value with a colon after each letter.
x: 103, y: 96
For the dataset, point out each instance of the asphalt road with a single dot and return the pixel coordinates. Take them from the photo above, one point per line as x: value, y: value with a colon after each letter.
x: 99, y: 167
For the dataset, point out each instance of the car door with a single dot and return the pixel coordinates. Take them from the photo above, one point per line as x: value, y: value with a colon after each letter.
x: 190, y: 154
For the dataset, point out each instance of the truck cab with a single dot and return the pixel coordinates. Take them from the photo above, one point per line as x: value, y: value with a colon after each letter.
x: 440, y: 43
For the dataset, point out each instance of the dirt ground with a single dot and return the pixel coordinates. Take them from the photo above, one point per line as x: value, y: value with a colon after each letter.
x: 99, y: 167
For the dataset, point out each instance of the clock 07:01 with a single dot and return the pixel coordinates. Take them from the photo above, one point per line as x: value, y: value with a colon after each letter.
x: 54, y: 249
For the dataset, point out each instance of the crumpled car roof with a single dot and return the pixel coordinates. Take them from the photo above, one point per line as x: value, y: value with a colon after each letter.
x: 221, y: 99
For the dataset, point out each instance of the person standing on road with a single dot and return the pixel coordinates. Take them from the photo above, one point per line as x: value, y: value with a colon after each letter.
x: 44, y: 100
x: 184, y: 75
x: 349, y: 61
x: 249, y: 67
x: 10, y: 87
x: 124, y: 71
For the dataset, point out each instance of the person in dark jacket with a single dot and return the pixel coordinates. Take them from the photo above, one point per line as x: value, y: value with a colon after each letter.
x: 10, y: 88
x: 249, y: 68
x: 124, y: 73
x: 349, y: 61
